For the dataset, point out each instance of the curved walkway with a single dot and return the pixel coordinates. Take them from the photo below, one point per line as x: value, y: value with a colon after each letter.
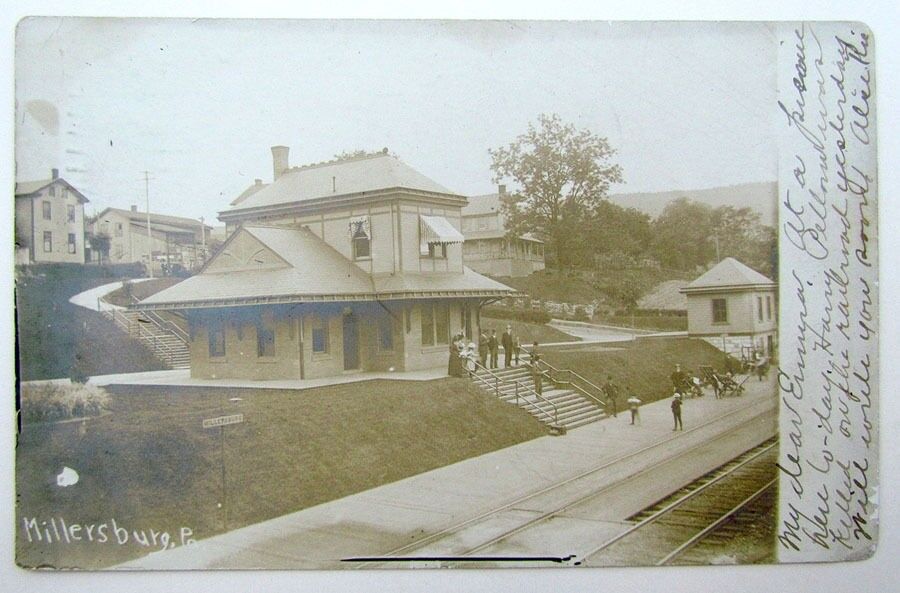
x: 93, y: 298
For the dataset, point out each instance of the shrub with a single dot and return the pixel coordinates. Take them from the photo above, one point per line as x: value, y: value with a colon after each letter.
x: 526, y: 315
x: 50, y: 402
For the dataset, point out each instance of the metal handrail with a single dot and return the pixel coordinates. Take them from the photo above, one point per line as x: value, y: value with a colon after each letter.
x: 600, y: 402
x: 163, y: 324
x: 518, y: 385
x: 139, y: 331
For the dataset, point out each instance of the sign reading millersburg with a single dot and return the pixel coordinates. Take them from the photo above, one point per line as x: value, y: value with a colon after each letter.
x: 223, y: 420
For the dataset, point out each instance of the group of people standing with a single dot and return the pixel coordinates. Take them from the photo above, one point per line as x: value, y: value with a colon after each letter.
x: 489, y: 348
x: 463, y: 355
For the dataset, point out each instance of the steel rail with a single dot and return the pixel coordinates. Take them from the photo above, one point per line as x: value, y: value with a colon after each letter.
x: 557, y: 485
x: 715, y: 524
x: 677, y: 503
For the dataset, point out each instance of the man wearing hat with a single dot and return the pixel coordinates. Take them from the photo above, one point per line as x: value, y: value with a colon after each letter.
x: 676, y: 411
x: 507, y: 342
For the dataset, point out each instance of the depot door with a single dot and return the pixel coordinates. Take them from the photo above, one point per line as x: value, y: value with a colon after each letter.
x: 351, y: 343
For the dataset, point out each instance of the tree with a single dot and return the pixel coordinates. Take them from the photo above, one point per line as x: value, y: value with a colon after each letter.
x: 562, y: 174
x: 683, y: 235
x: 689, y: 235
x: 100, y: 245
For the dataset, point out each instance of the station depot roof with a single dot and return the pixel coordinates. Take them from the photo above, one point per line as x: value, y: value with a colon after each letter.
x: 371, y: 173
x: 729, y: 275
x: 306, y: 269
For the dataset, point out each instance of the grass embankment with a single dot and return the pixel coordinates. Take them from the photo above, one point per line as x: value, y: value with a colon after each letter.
x: 663, y: 323
x: 644, y: 365
x: 527, y: 332
x: 58, y: 339
x: 140, y: 290
x: 151, y: 465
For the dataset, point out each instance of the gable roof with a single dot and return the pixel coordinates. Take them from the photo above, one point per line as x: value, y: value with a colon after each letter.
x: 25, y: 189
x: 729, y: 274
x: 314, y: 271
x: 140, y: 218
x: 483, y: 204
x: 340, y: 178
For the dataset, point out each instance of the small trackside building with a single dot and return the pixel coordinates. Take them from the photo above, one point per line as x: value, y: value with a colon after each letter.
x: 735, y: 306
x: 338, y: 267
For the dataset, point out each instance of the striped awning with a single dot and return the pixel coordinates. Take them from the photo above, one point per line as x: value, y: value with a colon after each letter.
x: 437, y: 229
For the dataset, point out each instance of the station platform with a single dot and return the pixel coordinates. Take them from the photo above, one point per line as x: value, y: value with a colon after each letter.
x: 377, y: 522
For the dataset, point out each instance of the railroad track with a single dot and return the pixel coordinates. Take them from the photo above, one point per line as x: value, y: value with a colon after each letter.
x: 707, y: 512
x: 407, y: 552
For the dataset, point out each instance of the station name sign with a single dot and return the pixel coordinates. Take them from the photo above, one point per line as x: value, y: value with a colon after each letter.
x: 223, y: 421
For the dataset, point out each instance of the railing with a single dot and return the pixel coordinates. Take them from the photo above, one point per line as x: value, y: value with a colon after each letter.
x: 163, y: 324
x: 555, y: 376
x: 495, y: 381
x: 138, y: 330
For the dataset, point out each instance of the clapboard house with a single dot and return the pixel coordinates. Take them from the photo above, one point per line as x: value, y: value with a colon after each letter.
x: 490, y: 248
x: 49, y: 221
x: 337, y: 267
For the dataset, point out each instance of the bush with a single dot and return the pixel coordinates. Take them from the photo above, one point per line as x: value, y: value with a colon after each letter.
x: 70, y: 270
x: 526, y: 315
x: 50, y: 402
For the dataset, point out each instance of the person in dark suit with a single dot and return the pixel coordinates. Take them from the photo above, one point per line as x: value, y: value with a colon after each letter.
x: 612, y: 393
x: 494, y: 346
x: 507, y: 342
x: 676, y: 412
x: 483, y: 348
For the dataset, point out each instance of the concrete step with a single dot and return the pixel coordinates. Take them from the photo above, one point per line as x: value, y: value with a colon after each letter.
x: 574, y: 414
x: 586, y: 420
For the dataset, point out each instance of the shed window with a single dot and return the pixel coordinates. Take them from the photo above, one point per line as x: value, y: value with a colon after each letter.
x: 216, y: 338
x: 720, y: 311
x: 265, y: 334
x: 361, y: 237
x: 320, y: 336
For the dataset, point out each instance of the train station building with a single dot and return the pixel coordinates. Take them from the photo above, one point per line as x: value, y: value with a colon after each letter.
x: 338, y: 267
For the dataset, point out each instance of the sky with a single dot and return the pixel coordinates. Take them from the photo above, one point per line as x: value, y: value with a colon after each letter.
x: 199, y: 103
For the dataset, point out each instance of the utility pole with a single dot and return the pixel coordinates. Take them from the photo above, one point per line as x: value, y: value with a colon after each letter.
x: 149, y: 233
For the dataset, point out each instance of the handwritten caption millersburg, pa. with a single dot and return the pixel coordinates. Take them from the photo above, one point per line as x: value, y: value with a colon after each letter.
x: 828, y: 282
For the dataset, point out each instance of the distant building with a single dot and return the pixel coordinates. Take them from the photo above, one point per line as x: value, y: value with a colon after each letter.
x: 488, y: 249
x: 49, y: 221
x: 735, y: 306
x: 337, y: 267
x: 174, y: 239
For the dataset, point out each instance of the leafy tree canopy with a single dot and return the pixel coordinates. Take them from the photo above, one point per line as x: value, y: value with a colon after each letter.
x: 562, y: 175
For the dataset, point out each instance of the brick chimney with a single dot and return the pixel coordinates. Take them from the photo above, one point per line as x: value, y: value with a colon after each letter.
x: 134, y: 208
x: 257, y: 182
x: 501, y: 189
x: 279, y: 161
x: 54, y: 173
